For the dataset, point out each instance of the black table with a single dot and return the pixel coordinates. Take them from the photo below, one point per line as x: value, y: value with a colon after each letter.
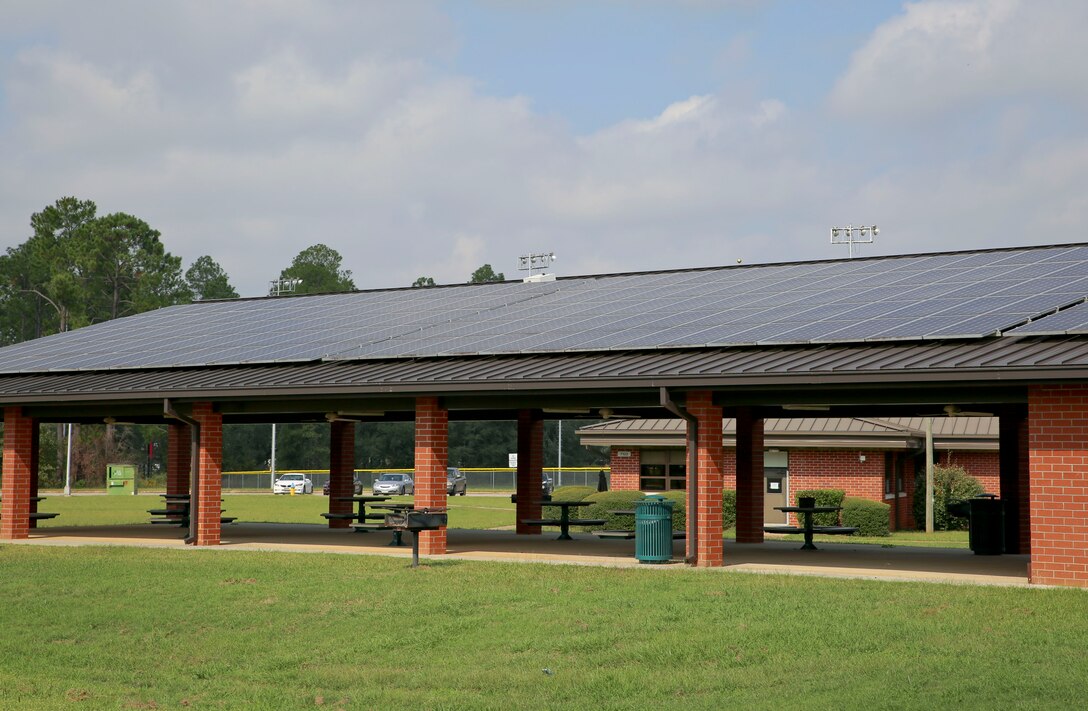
x: 564, y: 521
x: 806, y: 528
x: 362, y: 501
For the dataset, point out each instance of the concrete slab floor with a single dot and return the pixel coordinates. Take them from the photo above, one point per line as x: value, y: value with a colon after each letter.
x: 843, y: 560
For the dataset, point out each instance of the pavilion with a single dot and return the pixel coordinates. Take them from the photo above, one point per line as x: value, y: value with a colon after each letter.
x: 1004, y: 330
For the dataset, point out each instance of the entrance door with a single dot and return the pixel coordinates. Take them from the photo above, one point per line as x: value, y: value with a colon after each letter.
x: 775, y: 486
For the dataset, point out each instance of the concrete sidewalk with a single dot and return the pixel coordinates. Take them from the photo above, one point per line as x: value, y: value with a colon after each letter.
x: 844, y: 560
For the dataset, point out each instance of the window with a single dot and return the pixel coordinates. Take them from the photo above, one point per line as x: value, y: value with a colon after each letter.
x: 663, y: 470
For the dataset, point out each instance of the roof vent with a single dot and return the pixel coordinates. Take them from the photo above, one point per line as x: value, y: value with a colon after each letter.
x: 537, y: 278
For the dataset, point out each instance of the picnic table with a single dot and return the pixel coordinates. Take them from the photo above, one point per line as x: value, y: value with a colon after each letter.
x: 36, y: 515
x: 629, y: 534
x: 564, y: 522
x: 177, y: 511
x: 361, y: 516
x: 807, y: 527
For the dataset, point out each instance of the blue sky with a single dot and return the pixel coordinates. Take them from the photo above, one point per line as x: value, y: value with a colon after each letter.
x: 429, y: 137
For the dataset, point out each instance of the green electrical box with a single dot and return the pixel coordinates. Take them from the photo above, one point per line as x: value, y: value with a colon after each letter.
x: 121, y: 479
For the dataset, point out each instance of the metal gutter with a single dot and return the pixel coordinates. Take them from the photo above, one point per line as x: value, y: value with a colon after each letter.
x: 194, y: 468
x: 691, y: 552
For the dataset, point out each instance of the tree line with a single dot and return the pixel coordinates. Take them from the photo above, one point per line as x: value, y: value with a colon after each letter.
x: 78, y: 268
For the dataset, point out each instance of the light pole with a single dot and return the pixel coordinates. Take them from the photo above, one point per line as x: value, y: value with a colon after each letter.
x: 62, y: 318
x: 280, y: 286
x: 846, y: 235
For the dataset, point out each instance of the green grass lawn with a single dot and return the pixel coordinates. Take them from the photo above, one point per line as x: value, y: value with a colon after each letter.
x: 107, y: 628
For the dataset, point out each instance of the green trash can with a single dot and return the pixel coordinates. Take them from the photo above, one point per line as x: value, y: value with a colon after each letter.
x: 653, y: 529
x: 120, y: 479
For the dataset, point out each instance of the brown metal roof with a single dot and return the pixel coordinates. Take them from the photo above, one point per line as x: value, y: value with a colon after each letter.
x: 964, y: 433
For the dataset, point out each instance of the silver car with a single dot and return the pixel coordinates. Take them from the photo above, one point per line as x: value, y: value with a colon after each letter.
x: 456, y: 483
x: 394, y: 484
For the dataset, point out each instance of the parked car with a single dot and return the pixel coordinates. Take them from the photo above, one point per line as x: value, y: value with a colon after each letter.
x: 546, y: 486
x: 394, y: 484
x: 456, y: 483
x: 356, y: 487
x: 298, y: 483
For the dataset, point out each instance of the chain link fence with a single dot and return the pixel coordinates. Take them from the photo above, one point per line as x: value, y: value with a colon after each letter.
x: 478, y: 479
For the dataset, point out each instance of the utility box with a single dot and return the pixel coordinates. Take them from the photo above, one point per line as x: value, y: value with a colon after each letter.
x: 121, y: 479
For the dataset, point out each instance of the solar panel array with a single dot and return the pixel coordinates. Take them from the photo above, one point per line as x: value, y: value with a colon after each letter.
x: 951, y: 295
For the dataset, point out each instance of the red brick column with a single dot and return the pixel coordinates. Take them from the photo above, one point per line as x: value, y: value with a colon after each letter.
x: 626, y: 471
x: 341, y: 471
x: 178, y: 457
x: 210, y: 462
x: 530, y: 470
x: 709, y: 551
x: 1058, y: 442
x: 1014, y: 478
x: 431, y: 456
x: 18, y: 465
x: 749, y: 477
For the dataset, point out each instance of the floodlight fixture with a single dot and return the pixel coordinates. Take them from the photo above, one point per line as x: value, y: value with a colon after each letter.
x: 277, y: 287
x: 850, y: 235
x: 537, y: 261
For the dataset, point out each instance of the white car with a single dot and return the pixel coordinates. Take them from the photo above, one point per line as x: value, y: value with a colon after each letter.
x: 293, y: 482
x: 389, y: 483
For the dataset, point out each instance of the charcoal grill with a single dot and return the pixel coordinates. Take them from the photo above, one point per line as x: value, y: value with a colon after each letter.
x: 415, y: 521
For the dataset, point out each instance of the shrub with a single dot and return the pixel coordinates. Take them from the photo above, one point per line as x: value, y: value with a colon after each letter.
x: 566, y: 493
x: 729, y: 508
x: 870, y: 517
x: 679, y: 508
x: 951, y: 485
x: 605, y: 501
x: 824, y: 497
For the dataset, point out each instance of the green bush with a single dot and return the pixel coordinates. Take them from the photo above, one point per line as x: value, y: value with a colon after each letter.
x: 605, y: 501
x: 567, y: 493
x: 679, y: 509
x: 824, y: 497
x: 729, y: 508
x: 951, y: 484
x: 870, y: 517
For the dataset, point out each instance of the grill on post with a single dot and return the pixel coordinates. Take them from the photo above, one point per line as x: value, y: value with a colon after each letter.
x: 415, y: 521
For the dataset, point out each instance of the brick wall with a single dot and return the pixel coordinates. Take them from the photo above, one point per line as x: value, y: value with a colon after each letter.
x: 210, y: 463
x: 625, y: 470
x: 530, y: 472
x: 984, y: 466
x: 709, y: 451
x: 341, y: 471
x: 1058, y: 444
x: 431, y: 455
x: 178, y: 457
x: 749, y: 477
x: 18, y: 463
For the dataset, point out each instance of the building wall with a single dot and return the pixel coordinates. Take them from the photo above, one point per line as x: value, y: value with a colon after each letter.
x: 836, y: 469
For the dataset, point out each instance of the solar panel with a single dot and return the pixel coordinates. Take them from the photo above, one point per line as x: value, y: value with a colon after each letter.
x: 966, y: 294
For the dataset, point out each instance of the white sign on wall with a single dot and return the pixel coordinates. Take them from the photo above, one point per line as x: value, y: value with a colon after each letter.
x: 513, y: 460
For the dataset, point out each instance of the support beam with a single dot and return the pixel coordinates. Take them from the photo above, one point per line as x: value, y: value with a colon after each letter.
x: 210, y: 475
x: 749, y: 477
x: 431, y: 457
x: 711, y: 457
x: 178, y: 458
x: 18, y: 464
x: 35, y: 451
x: 530, y: 472
x: 341, y: 470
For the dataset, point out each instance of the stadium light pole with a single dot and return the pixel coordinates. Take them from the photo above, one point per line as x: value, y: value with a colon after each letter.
x: 846, y: 235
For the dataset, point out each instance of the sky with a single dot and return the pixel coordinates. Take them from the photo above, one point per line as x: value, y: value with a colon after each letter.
x: 429, y: 138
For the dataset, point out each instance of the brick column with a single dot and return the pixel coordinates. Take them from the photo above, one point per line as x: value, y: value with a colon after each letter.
x: 341, y: 471
x: 749, y: 477
x: 431, y: 456
x: 626, y: 471
x: 18, y: 464
x: 210, y: 463
x: 709, y: 551
x: 1013, y: 467
x: 178, y: 457
x: 530, y: 470
x: 1058, y: 443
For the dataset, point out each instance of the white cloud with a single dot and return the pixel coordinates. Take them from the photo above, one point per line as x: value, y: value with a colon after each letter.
x: 943, y: 57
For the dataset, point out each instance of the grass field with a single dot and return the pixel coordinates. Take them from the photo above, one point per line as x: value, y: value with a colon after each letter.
x: 108, y: 628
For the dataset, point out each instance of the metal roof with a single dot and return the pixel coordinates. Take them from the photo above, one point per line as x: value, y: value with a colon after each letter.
x: 965, y: 433
x: 953, y: 295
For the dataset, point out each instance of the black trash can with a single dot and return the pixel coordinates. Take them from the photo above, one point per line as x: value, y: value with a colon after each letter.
x: 987, y: 527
